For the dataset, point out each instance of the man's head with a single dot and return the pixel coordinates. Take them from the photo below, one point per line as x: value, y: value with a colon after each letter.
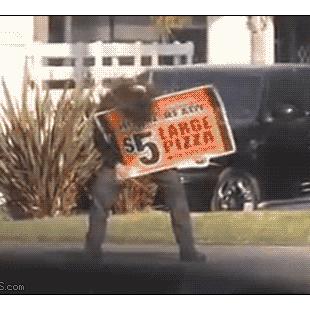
x: 133, y: 100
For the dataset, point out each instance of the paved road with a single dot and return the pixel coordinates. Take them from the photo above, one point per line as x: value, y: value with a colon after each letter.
x: 155, y: 269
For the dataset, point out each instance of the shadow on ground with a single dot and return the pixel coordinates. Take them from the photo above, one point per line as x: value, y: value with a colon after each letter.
x: 72, y: 272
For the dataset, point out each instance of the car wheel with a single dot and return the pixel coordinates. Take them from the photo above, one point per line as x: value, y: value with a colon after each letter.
x: 236, y: 190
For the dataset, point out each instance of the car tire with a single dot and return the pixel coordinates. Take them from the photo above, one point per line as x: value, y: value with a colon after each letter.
x: 236, y: 190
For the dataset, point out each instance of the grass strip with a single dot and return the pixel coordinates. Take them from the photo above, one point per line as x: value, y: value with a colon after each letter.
x: 226, y: 228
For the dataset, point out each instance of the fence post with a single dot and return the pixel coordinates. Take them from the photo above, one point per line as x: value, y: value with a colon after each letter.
x: 190, y: 53
x: 98, y: 62
x: 176, y: 58
x: 137, y: 55
x: 78, y: 65
x: 115, y: 62
x: 155, y: 54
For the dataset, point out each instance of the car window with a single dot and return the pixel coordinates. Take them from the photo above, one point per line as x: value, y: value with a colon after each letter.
x: 241, y: 97
x: 289, y: 88
x: 241, y: 93
x: 302, y: 85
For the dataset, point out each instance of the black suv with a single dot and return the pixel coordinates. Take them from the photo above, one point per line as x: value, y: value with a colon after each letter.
x: 269, y: 111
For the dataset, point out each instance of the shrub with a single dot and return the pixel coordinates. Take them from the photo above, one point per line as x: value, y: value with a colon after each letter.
x: 136, y: 195
x: 46, y: 153
x: 47, y: 156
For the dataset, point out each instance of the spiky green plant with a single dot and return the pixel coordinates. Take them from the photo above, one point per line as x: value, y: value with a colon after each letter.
x: 46, y: 153
x: 47, y: 156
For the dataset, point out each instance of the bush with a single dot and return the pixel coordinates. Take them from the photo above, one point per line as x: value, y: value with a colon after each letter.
x: 47, y: 156
x: 46, y: 153
x: 136, y: 195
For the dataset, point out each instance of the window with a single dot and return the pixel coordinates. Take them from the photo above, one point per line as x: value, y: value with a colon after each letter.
x: 290, y: 88
x: 241, y: 96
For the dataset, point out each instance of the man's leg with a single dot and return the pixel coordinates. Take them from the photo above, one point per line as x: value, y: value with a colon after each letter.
x: 176, y: 201
x: 104, y: 192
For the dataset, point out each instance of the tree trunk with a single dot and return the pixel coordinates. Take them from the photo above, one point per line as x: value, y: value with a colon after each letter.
x: 111, y: 28
x: 164, y: 38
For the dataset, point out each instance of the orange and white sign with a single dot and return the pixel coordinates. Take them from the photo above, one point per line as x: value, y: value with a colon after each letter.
x: 188, y: 128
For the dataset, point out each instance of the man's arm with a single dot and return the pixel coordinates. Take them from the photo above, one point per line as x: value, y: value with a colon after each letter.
x: 105, y: 143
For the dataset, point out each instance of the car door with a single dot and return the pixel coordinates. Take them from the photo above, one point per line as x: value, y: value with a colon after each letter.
x: 284, y: 158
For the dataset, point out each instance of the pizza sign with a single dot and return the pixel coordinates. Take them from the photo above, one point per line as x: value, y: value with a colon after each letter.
x: 187, y: 129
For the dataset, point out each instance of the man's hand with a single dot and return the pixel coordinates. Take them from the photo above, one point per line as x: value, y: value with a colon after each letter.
x: 121, y: 171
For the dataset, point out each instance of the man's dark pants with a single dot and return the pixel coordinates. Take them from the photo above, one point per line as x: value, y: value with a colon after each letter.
x: 105, y: 191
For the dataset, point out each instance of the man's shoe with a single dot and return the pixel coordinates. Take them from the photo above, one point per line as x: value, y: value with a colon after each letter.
x: 197, y: 257
x: 93, y: 252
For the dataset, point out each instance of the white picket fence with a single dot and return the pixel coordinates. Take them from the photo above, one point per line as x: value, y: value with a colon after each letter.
x: 97, y: 63
x: 100, y: 61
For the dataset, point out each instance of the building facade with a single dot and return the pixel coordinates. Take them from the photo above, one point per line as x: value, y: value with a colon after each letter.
x: 217, y: 39
x: 127, y: 29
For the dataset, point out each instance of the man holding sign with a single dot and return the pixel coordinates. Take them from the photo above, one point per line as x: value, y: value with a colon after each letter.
x: 140, y: 135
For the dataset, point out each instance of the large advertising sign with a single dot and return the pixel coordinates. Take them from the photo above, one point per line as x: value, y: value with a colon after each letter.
x: 187, y: 129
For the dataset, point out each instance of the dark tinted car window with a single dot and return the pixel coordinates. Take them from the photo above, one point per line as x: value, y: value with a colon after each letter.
x: 290, y: 88
x: 241, y: 92
x: 241, y: 97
